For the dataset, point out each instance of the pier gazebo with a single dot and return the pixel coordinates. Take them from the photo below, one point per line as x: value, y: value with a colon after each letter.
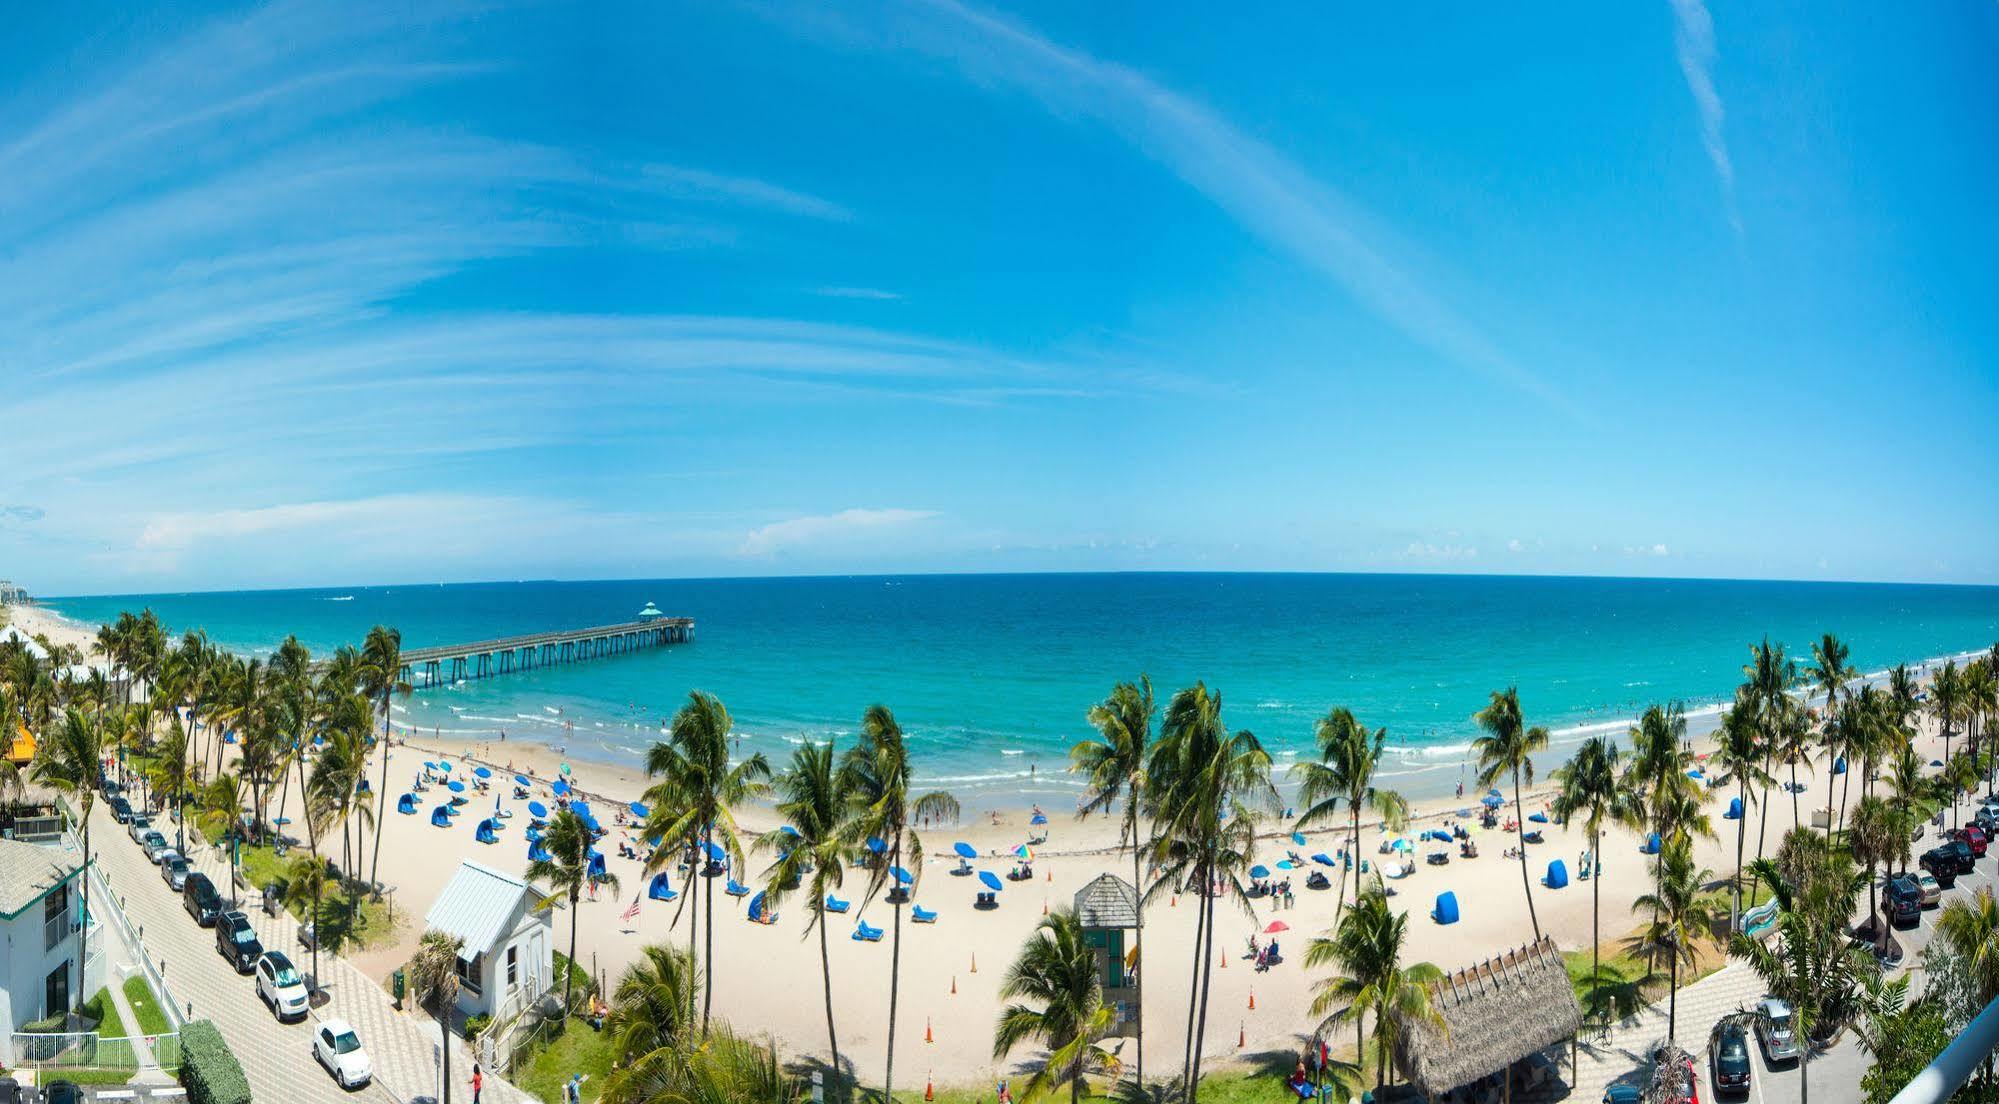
x: 1107, y: 908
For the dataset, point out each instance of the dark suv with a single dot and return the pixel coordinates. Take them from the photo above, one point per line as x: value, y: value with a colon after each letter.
x: 1941, y: 862
x: 198, y: 896
x: 237, y: 941
x: 1905, y: 901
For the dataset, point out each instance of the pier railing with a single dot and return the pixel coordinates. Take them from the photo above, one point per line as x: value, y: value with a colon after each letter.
x: 453, y: 663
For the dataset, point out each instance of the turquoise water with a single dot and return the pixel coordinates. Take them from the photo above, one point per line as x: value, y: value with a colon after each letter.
x: 992, y: 674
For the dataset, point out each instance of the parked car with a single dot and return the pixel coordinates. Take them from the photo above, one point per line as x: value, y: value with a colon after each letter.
x: 198, y: 896
x: 1972, y: 836
x: 1623, y: 1092
x: 1729, y: 1058
x: 138, y: 826
x: 62, y: 1092
x: 339, y: 1050
x: 237, y: 941
x: 1775, y: 1030
x: 174, y: 870
x: 155, y: 845
x: 281, y: 987
x: 1967, y: 861
x: 10, y: 1091
x: 1932, y: 892
x: 121, y: 810
x: 1905, y: 902
x: 1941, y: 862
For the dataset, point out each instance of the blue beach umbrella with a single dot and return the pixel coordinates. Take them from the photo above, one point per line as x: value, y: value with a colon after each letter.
x: 639, y: 809
x: 482, y: 772
x: 521, y: 780
x: 965, y: 850
x: 788, y: 830
x: 715, y: 851
x: 561, y: 788
x: 1298, y: 838
x: 876, y: 845
x: 1322, y: 858
x: 991, y: 880
x: 1492, y: 801
x: 1259, y: 871
x: 444, y: 765
x: 1038, y: 818
x: 537, y: 808
x: 455, y: 786
x: 1286, y: 864
x: 902, y: 876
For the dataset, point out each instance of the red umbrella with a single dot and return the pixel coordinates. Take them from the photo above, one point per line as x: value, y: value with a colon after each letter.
x: 1276, y: 926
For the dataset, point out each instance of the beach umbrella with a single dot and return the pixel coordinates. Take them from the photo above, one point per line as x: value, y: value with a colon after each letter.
x: 521, y: 780
x: 715, y: 850
x: 876, y: 845
x: 1276, y: 926
x: 1936, y: 762
x: 902, y: 876
x: 561, y: 788
x: 1323, y: 859
x: 1402, y: 844
x: 444, y: 765
x: 639, y: 809
x: 965, y: 850
x: 1492, y: 801
x: 1038, y: 818
x: 537, y: 808
x: 482, y: 772
x: 788, y: 830
x: 455, y: 786
x: 428, y: 765
x: 565, y: 768
x: 991, y: 880
x: 1023, y: 852
x: 1298, y: 838
x: 1286, y: 864
x: 1259, y: 871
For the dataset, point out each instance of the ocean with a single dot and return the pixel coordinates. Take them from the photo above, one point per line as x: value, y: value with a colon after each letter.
x: 992, y: 675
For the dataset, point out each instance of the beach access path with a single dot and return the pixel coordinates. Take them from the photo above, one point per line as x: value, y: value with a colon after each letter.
x: 277, y: 1058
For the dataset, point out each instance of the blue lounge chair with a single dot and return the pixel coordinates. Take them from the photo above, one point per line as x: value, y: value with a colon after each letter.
x: 1734, y: 809
x: 661, y: 889
x: 487, y: 833
x: 834, y: 904
x: 1557, y: 876
x: 1446, y: 911
x: 406, y: 804
x: 736, y: 889
x: 923, y: 915
x: 596, y: 869
x: 538, y: 853
x: 867, y: 933
x: 1650, y: 846
x: 1538, y: 818
x: 439, y: 818
x: 1839, y: 765
x: 760, y: 911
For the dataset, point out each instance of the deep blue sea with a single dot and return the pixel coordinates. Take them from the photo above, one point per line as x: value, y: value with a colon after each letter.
x: 992, y: 674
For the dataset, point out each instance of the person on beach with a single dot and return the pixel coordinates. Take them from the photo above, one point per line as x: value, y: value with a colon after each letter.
x: 478, y: 1082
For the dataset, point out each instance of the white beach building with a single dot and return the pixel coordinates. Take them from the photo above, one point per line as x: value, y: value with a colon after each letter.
x: 41, y: 907
x: 508, y: 956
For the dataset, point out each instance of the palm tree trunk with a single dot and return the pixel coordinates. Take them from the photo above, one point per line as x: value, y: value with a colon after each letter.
x: 708, y: 939
x: 826, y: 979
x: 381, y: 804
x: 444, y: 1050
x: 1673, y: 998
x: 83, y: 929
x: 1796, y: 820
x: 1741, y: 833
x: 1207, y: 979
x: 1193, y: 983
x: 1595, y: 919
x: 894, y: 984
x: 1829, y: 816
x: 1138, y: 947
x: 569, y: 968
x: 1845, y: 797
x: 1520, y: 833
x: 1762, y: 827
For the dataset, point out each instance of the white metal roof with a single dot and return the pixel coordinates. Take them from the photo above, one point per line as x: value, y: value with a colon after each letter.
x: 479, y: 905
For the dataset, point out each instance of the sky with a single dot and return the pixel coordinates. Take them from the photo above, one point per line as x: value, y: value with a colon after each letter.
x: 315, y: 294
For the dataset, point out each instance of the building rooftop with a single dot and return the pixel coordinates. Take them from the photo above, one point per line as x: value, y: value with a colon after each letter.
x: 28, y: 872
x: 1495, y: 1014
x: 479, y: 905
x: 1107, y: 902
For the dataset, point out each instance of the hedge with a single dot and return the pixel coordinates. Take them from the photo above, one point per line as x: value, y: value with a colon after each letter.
x: 208, y: 1071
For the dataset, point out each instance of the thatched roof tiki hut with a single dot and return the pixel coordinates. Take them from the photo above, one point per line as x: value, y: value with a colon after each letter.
x: 1495, y: 1014
x: 1107, y: 908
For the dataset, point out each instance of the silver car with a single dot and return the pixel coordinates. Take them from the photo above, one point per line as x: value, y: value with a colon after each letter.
x: 174, y: 869
x: 141, y: 824
x: 155, y: 845
x: 1777, y: 1030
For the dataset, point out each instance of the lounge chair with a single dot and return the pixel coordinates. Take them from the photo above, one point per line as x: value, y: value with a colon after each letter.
x: 439, y: 818
x: 834, y: 904
x: 1446, y: 910
x: 923, y: 915
x: 1557, y: 876
x: 867, y: 933
x: 736, y: 889
x: 1533, y: 837
x: 406, y: 804
x: 661, y: 889
x: 760, y: 911
x: 486, y: 833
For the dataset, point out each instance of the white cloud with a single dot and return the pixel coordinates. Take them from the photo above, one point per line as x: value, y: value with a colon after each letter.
x: 1514, y: 545
x: 835, y: 532
x: 1424, y: 550
x: 1693, y: 37
x: 857, y: 293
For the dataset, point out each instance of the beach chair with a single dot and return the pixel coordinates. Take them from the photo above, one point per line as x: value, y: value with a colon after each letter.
x: 736, y: 889
x: 596, y: 869
x: 487, y: 832
x: 834, y: 904
x: 867, y: 933
x: 538, y: 853
x: 1538, y: 818
x: 439, y: 818
x: 406, y: 804
x: 923, y: 915
x: 1650, y: 846
x: 1557, y: 876
x: 1533, y: 837
x: 1734, y: 809
x: 661, y: 889
x: 1446, y: 910
x: 760, y: 911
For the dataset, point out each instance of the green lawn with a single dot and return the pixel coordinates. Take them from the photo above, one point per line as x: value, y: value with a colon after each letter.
x: 105, y: 1012
x: 374, y: 921
x: 92, y: 1076
x: 579, y: 1049
x: 139, y: 994
x: 1230, y: 1086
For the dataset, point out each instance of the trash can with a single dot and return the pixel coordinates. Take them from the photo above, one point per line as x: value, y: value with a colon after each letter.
x: 397, y: 983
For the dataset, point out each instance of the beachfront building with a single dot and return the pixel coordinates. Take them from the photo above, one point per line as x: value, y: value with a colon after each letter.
x: 41, y: 905
x: 507, y: 960
x: 1512, y: 1014
x: 1107, y: 908
x: 12, y: 595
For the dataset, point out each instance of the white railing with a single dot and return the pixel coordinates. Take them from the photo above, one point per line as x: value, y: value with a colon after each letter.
x: 1936, y: 1082
x: 88, y: 1050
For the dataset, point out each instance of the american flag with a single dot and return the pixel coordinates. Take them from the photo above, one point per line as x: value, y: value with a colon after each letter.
x: 632, y: 912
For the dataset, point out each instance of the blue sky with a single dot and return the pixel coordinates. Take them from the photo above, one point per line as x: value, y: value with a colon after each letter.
x: 320, y: 294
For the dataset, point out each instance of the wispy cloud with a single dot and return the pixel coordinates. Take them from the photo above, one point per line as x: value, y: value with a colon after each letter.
x: 700, y: 184
x: 1265, y: 192
x: 1693, y: 35
x: 842, y: 529
x: 857, y: 293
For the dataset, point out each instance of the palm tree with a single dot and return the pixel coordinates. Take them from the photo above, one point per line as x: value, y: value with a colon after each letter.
x: 1877, y: 836
x: 1907, y: 787
x: 1113, y: 766
x: 721, y: 1069
x: 1811, y: 965
x: 1057, y: 968
x: 382, y: 677
x: 67, y: 759
x: 305, y: 885
x: 223, y: 798
x: 1348, y: 757
x: 878, y: 780
x: 1766, y: 685
x: 566, y: 871
x: 1505, y: 750
x: 1366, y: 949
x: 1793, y: 734
x: 1971, y: 928
x: 1947, y: 702
x: 649, y: 1009
x: 1832, y: 673
x: 1592, y: 789
x: 815, y: 808
x: 696, y: 799
x: 1680, y: 917
x: 433, y: 980
x: 1738, y: 755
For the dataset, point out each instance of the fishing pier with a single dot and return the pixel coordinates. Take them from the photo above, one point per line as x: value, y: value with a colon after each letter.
x: 455, y: 663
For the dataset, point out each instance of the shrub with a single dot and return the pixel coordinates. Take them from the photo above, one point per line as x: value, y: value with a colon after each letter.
x: 476, y: 1025
x: 208, y: 1071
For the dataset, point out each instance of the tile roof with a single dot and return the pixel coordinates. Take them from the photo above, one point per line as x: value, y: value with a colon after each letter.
x: 479, y: 905
x: 1108, y: 902
x: 27, y: 871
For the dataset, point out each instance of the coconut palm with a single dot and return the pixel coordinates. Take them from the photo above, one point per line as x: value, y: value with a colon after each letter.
x: 1738, y: 755
x: 1113, y: 766
x: 1506, y: 749
x: 1793, y: 733
x: 306, y: 879
x: 1366, y: 950
x: 1947, y: 703
x: 1681, y: 917
x: 1811, y: 965
x: 879, y: 782
x: 382, y: 678
x: 1592, y: 789
x: 222, y: 798
x: 1831, y: 671
x: 67, y: 759
x: 1907, y: 788
x: 1348, y: 757
x: 1057, y: 970
x: 815, y: 809
x: 649, y: 1008
x: 1766, y: 686
x: 1876, y: 836
x: 433, y: 981
x: 566, y: 871
x: 695, y: 799
x: 722, y: 1068
x: 1971, y: 928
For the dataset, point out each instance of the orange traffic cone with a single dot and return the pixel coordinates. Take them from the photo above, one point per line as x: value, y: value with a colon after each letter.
x: 928, y: 1037
x: 1051, y: 874
x: 1252, y: 999
x: 975, y: 962
x: 1044, y: 906
x: 1241, y: 1036
x: 954, y: 985
x: 1174, y: 902
x: 929, y: 1088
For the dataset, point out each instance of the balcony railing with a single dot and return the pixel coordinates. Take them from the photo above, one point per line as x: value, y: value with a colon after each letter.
x: 1936, y: 1082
